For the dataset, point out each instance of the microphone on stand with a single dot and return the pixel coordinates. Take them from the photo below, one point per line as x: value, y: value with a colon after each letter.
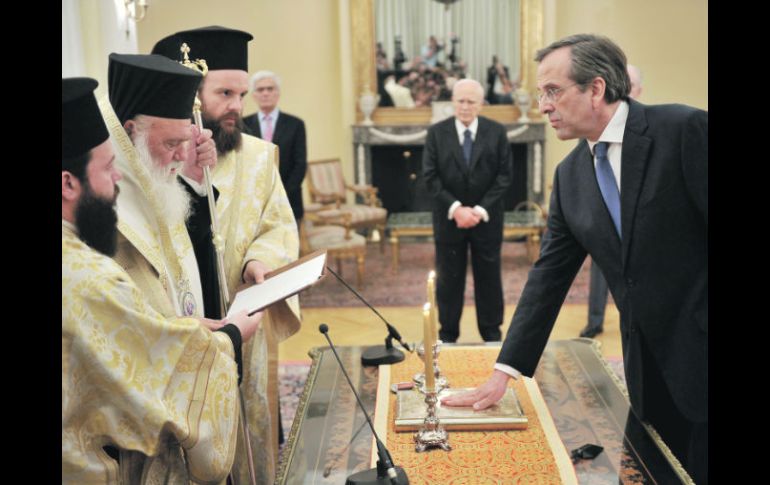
x: 385, y: 472
x: 378, y: 354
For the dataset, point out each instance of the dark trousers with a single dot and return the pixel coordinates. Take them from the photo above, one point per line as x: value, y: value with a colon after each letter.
x: 597, y: 298
x: 687, y: 440
x: 451, y: 264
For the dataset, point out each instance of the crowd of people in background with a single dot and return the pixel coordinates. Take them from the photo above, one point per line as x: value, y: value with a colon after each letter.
x: 421, y: 81
x: 425, y: 78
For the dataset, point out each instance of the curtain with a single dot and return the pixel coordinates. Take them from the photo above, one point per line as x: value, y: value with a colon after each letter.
x: 485, y: 28
x: 72, y: 59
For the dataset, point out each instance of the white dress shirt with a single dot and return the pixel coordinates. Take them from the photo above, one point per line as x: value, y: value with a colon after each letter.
x: 613, y: 134
x: 460, y: 127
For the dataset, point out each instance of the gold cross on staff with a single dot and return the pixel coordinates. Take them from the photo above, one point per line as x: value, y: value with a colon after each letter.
x: 197, y: 64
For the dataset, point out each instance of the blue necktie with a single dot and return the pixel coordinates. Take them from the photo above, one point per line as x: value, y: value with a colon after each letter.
x: 607, y: 183
x: 467, y: 147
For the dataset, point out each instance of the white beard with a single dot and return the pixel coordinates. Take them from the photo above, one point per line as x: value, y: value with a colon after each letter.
x: 173, y: 199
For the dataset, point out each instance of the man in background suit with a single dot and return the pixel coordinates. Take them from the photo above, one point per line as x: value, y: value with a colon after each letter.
x: 598, y: 290
x: 499, y: 86
x: 650, y: 240
x: 285, y: 130
x: 467, y: 168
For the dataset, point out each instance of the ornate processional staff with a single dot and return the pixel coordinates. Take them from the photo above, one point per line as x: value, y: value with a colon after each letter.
x: 219, y: 244
x: 219, y: 247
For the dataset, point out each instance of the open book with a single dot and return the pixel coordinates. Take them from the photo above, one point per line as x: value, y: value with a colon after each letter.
x: 280, y: 284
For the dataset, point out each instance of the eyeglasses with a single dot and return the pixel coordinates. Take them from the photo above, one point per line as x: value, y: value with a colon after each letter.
x: 552, y: 94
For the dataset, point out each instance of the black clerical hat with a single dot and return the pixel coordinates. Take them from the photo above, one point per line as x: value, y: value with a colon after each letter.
x: 82, y: 126
x: 151, y: 85
x: 220, y: 47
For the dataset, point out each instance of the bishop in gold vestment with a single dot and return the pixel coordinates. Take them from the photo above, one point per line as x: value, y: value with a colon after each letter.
x: 256, y: 223
x: 163, y: 392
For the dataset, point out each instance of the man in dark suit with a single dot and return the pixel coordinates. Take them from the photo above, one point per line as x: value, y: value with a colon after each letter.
x: 650, y: 240
x: 467, y: 167
x: 597, y: 288
x: 282, y: 129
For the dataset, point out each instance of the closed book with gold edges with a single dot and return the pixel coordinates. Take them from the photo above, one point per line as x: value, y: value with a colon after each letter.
x: 506, y: 414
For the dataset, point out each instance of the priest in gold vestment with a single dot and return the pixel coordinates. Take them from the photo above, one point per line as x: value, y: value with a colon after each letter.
x: 148, y: 116
x: 145, y: 399
x: 256, y: 222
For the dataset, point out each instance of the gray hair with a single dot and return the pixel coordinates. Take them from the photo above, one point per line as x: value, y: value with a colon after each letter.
x: 594, y: 56
x: 472, y: 82
x: 260, y: 75
x: 141, y: 121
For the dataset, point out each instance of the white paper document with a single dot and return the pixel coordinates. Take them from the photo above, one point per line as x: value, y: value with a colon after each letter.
x: 281, y: 284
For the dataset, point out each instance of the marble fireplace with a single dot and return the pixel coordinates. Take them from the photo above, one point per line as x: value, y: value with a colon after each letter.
x: 390, y: 158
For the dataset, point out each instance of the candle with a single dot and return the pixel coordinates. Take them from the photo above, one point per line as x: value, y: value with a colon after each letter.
x: 432, y: 301
x: 430, y: 379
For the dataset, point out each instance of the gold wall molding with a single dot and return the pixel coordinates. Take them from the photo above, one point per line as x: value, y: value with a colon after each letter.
x: 363, y: 47
x: 532, y: 39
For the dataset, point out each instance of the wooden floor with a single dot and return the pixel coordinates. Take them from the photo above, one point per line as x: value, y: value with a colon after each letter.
x: 359, y: 326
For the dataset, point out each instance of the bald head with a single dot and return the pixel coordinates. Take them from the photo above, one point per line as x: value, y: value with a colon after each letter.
x: 467, y: 99
x: 636, y: 81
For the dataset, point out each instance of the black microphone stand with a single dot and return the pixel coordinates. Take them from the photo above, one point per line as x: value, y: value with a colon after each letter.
x: 378, y: 354
x: 382, y: 354
x: 386, y: 472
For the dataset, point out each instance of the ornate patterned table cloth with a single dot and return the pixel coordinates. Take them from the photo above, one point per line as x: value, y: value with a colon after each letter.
x: 532, y: 455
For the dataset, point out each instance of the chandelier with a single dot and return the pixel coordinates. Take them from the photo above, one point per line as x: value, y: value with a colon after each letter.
x: 447, y: 3
x: 136, y: 9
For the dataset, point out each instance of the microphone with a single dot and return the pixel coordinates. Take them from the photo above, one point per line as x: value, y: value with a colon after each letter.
x: 378, y: 354
x: 385, y: 472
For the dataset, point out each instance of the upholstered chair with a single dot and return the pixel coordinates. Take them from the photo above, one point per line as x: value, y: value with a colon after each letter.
x: 327, y: 186
x: 334, y: 234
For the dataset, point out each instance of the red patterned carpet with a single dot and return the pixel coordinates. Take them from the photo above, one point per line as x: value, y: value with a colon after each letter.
x: 291, y: 381
x: 407, y: 288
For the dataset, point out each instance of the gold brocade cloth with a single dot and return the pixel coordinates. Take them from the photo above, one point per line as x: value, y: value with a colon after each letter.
x: 535, y: 455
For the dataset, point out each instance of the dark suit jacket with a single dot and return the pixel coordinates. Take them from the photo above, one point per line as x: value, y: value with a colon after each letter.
x: 492, y: 74
x: 448, y: 178
x: 289, y: 135
x: 658, y: 274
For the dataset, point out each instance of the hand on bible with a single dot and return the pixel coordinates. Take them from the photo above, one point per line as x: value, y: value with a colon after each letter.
x: 483, y: 396
x: 466, y: 217
x: 202, y: 153
x: 255, y: 272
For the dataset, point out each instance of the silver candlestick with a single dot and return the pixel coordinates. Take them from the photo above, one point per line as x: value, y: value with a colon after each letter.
x: 419, y: 378
x: 432, y: 434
